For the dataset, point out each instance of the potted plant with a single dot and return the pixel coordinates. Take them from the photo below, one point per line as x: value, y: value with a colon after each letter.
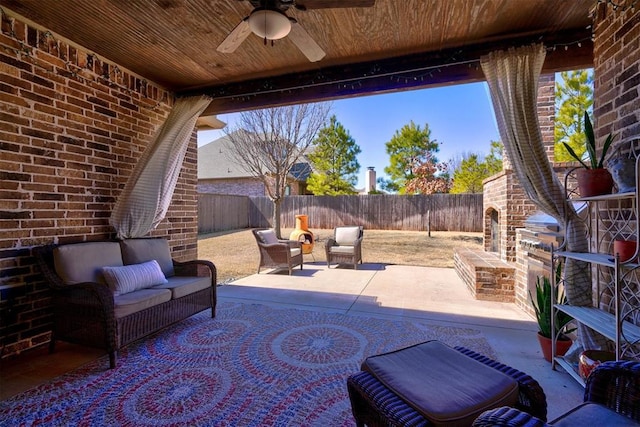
x: 593, y: 179
x: 542, y: 307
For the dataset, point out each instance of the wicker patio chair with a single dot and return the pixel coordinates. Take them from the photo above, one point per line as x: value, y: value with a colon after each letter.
x: 277, y: 253
x: 345, y: 246
x: 611, y: 398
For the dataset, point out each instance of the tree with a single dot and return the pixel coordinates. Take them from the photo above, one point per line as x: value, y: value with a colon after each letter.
x: 574, y: 96
x: 334, y: 159
x: 456, y: 160
x: 494, y: 159
x: 429, y: 177
x: 410, y: 146
x: 268, y: 143
x: 468, y: 177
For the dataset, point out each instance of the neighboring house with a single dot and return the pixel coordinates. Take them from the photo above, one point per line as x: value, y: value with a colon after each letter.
x: 219, y: 173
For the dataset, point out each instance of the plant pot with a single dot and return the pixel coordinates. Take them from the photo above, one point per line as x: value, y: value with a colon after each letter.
x: 562, y: 346
x: 625, y: 249
x: 623, y: 171
x: 589, y: 359
x: 594, y: 182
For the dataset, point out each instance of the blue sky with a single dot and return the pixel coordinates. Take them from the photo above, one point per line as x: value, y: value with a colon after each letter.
x: 460, y: 118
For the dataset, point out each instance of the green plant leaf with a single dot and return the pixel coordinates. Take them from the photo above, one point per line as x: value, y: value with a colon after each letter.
x: 605, y: 148
x: 591, y: 140
x: 542, y: 306
x: 573, y: 154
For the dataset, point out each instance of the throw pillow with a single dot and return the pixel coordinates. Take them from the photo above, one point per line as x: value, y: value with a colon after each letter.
x: 129, y: 278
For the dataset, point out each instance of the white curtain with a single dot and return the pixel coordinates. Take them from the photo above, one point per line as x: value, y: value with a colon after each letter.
x: 147, y: 195
x: 512, y: 77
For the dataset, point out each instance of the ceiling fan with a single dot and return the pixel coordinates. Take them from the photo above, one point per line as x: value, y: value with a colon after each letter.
x: 268, y: 20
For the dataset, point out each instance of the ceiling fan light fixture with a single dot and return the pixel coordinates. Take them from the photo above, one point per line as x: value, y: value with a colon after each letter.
x: 269, y: 24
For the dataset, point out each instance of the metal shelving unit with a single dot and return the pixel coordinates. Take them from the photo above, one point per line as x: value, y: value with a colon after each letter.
x: 616, y: 310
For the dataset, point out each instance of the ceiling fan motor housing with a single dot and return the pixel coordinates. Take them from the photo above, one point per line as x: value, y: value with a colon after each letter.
x: 269, y: 24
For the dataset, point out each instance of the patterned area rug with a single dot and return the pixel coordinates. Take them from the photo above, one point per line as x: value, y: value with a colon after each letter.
x: 253, y: 365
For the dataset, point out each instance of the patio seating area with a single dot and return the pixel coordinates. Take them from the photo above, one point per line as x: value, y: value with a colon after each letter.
x: 436, y: 295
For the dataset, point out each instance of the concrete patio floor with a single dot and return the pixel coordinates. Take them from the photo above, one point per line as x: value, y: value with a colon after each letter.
x: 409, y: 293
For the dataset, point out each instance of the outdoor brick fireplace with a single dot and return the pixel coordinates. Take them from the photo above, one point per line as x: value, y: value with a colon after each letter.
x: 492, y: 274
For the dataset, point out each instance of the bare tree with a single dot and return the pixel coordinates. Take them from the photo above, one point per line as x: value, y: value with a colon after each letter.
x: 268, y: 143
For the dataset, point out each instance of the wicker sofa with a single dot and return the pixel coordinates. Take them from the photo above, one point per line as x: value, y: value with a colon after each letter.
x: 108, y: 294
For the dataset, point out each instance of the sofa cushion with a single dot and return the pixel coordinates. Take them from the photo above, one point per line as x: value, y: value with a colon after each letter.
x: 268, y: 237
x: 295, y: 252
x: 129, y: 278
x: 83, y: 262
x: 135, y: 251
x: 345, y: 236
x: 142, y: 299
x: 592, y: 414
x: 445, y: 386
x: 185, y: 285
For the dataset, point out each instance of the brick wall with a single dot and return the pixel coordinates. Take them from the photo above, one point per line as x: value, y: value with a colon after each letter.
x: 72, y: 127
x: 232, y: 186
x: 616, y: 50
x: 244, y: 187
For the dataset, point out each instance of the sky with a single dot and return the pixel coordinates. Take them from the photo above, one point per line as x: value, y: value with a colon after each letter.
x: 460, y: 117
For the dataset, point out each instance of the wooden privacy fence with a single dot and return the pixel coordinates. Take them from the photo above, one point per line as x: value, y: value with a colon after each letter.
x: 440, y: 212
x: 221, y: 212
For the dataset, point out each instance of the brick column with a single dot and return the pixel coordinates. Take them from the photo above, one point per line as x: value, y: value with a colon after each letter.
x: 504, y: 194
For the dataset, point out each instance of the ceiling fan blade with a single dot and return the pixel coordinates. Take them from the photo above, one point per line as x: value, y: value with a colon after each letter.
x: 305, y: 43
x: 235, y: 37
x: 332, y: 4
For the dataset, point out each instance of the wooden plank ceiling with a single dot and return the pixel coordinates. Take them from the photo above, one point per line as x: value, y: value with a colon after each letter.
x: 394, y: 45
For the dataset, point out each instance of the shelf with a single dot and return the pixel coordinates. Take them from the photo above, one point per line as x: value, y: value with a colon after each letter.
x: 570, y: 369
x: 606, y: 218
x: 601, y: 321
x: 599, y: 259
x: 606, y: 197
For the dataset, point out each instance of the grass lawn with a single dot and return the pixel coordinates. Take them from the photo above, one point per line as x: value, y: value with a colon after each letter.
x: 235, y: 252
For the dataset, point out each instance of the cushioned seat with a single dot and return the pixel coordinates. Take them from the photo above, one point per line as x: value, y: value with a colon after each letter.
x: 592, y: 414
x: 184, y: 285
x: 445, y: 386
x: 139, y: 300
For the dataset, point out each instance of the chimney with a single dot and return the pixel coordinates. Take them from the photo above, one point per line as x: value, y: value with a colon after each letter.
x: 370, y: 180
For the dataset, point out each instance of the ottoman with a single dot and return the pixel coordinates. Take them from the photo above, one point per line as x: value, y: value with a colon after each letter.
x: 433, y: 384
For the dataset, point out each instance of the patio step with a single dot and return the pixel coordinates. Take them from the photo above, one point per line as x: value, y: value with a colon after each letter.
x: 487, y: 276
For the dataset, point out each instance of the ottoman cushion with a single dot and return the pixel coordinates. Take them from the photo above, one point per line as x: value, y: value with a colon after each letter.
x: 445, y: 386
